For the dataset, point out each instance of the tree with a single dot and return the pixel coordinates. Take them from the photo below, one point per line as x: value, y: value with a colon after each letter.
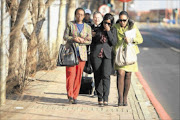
x: 14, y: 66
x: 44, y: 60
x: 71, y: 9
x: 16, y: 74
x: 36, y: 40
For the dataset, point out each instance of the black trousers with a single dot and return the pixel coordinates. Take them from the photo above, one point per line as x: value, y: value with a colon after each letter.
x: 102, y: 68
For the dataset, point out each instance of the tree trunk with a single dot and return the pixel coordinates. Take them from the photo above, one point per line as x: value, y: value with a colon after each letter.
x: 37, y: 40
x: 31, y: 59
x: 22, y: 64
x: 2, y: 59
x: 13, y: 8
x: 44, y: 61
x: 61, y: 24
x: 15, y: 37
x: 16, y: 66
x: 71, y: 10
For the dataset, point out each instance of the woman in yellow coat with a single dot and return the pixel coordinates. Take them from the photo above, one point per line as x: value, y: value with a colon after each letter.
x: 124, y: 72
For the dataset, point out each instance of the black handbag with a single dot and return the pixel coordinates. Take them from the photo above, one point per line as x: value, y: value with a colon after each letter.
x: 88, y: 67
x: 67, y: 55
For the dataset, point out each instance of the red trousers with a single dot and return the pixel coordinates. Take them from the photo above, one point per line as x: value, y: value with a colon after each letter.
x: 73, y: 79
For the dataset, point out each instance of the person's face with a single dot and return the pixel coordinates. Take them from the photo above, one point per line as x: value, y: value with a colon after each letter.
x: 87, y: 16
x: 123, y: 19
x: 97, y: 19
x: 107, y: 22
x: 79, y: 15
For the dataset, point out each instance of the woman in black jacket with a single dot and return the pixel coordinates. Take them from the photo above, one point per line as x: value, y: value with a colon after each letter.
x: 101, y: 49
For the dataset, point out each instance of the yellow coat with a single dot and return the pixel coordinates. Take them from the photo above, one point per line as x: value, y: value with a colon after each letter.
x: 137, y: 40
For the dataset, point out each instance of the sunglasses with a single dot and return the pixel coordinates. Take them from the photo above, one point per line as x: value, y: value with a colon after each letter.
x: 107, y: 23
x: 122, y: 20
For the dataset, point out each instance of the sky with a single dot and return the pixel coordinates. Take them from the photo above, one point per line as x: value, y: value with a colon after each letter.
x: 155, y: 4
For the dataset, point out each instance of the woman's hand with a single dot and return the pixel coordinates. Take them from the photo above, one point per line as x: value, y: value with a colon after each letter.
x: 93, y: 34
x: 127, y: 40
x: 106, y: 27
x: 81, y: 40
x: 76, y: 39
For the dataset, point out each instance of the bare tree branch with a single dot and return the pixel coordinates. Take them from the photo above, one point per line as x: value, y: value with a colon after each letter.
x: 39, y: 25
x: 41, y: 13
x: 48, y: 3
x: 13, y: 10
x: 26, y: 33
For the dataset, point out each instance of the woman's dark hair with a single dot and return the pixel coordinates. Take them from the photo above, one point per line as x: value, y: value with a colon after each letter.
x: 107, y: 16
x: 130, y: 21
x: 79, y: 9
x: 110, y: 17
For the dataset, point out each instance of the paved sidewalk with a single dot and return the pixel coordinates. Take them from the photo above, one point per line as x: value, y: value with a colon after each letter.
x: 45, y: 98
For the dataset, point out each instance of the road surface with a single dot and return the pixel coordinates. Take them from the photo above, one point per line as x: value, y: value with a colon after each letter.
x: 159, y: 65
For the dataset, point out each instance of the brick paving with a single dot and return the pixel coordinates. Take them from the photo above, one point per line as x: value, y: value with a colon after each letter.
x: 45, y: 98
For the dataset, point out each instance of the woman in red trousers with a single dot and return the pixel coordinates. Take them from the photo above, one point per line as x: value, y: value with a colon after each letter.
x: 79, y: 33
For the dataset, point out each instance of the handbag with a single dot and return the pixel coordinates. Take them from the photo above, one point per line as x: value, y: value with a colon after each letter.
x: 125, y: 56
x: 67, y: 55
x: 88, y: 67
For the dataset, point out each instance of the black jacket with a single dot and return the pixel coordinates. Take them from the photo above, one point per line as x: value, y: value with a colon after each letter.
x: 96, y: 44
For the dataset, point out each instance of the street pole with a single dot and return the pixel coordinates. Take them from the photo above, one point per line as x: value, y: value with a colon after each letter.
x: 2, y: 59
x: 124, y: 6
x: 176, y: 16
x: 49, y: 27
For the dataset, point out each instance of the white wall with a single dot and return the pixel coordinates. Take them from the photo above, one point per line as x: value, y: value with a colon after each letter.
x: 53, y: 23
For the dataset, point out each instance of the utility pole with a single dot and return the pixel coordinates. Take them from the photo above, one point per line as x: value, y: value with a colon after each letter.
x: 124, y: 6
x: 176, y: 15
x: 2, y: 59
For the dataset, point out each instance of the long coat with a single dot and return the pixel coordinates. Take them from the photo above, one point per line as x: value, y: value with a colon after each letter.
x: 120, y: 34
x: 137, y: 40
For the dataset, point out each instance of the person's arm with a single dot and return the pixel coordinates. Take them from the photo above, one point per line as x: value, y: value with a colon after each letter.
x: 112, y: 36
x: 67, y: 36
x: 96, y: 38
x: 88, y: 39
x: 138, y: 39
x: 67, y: 31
